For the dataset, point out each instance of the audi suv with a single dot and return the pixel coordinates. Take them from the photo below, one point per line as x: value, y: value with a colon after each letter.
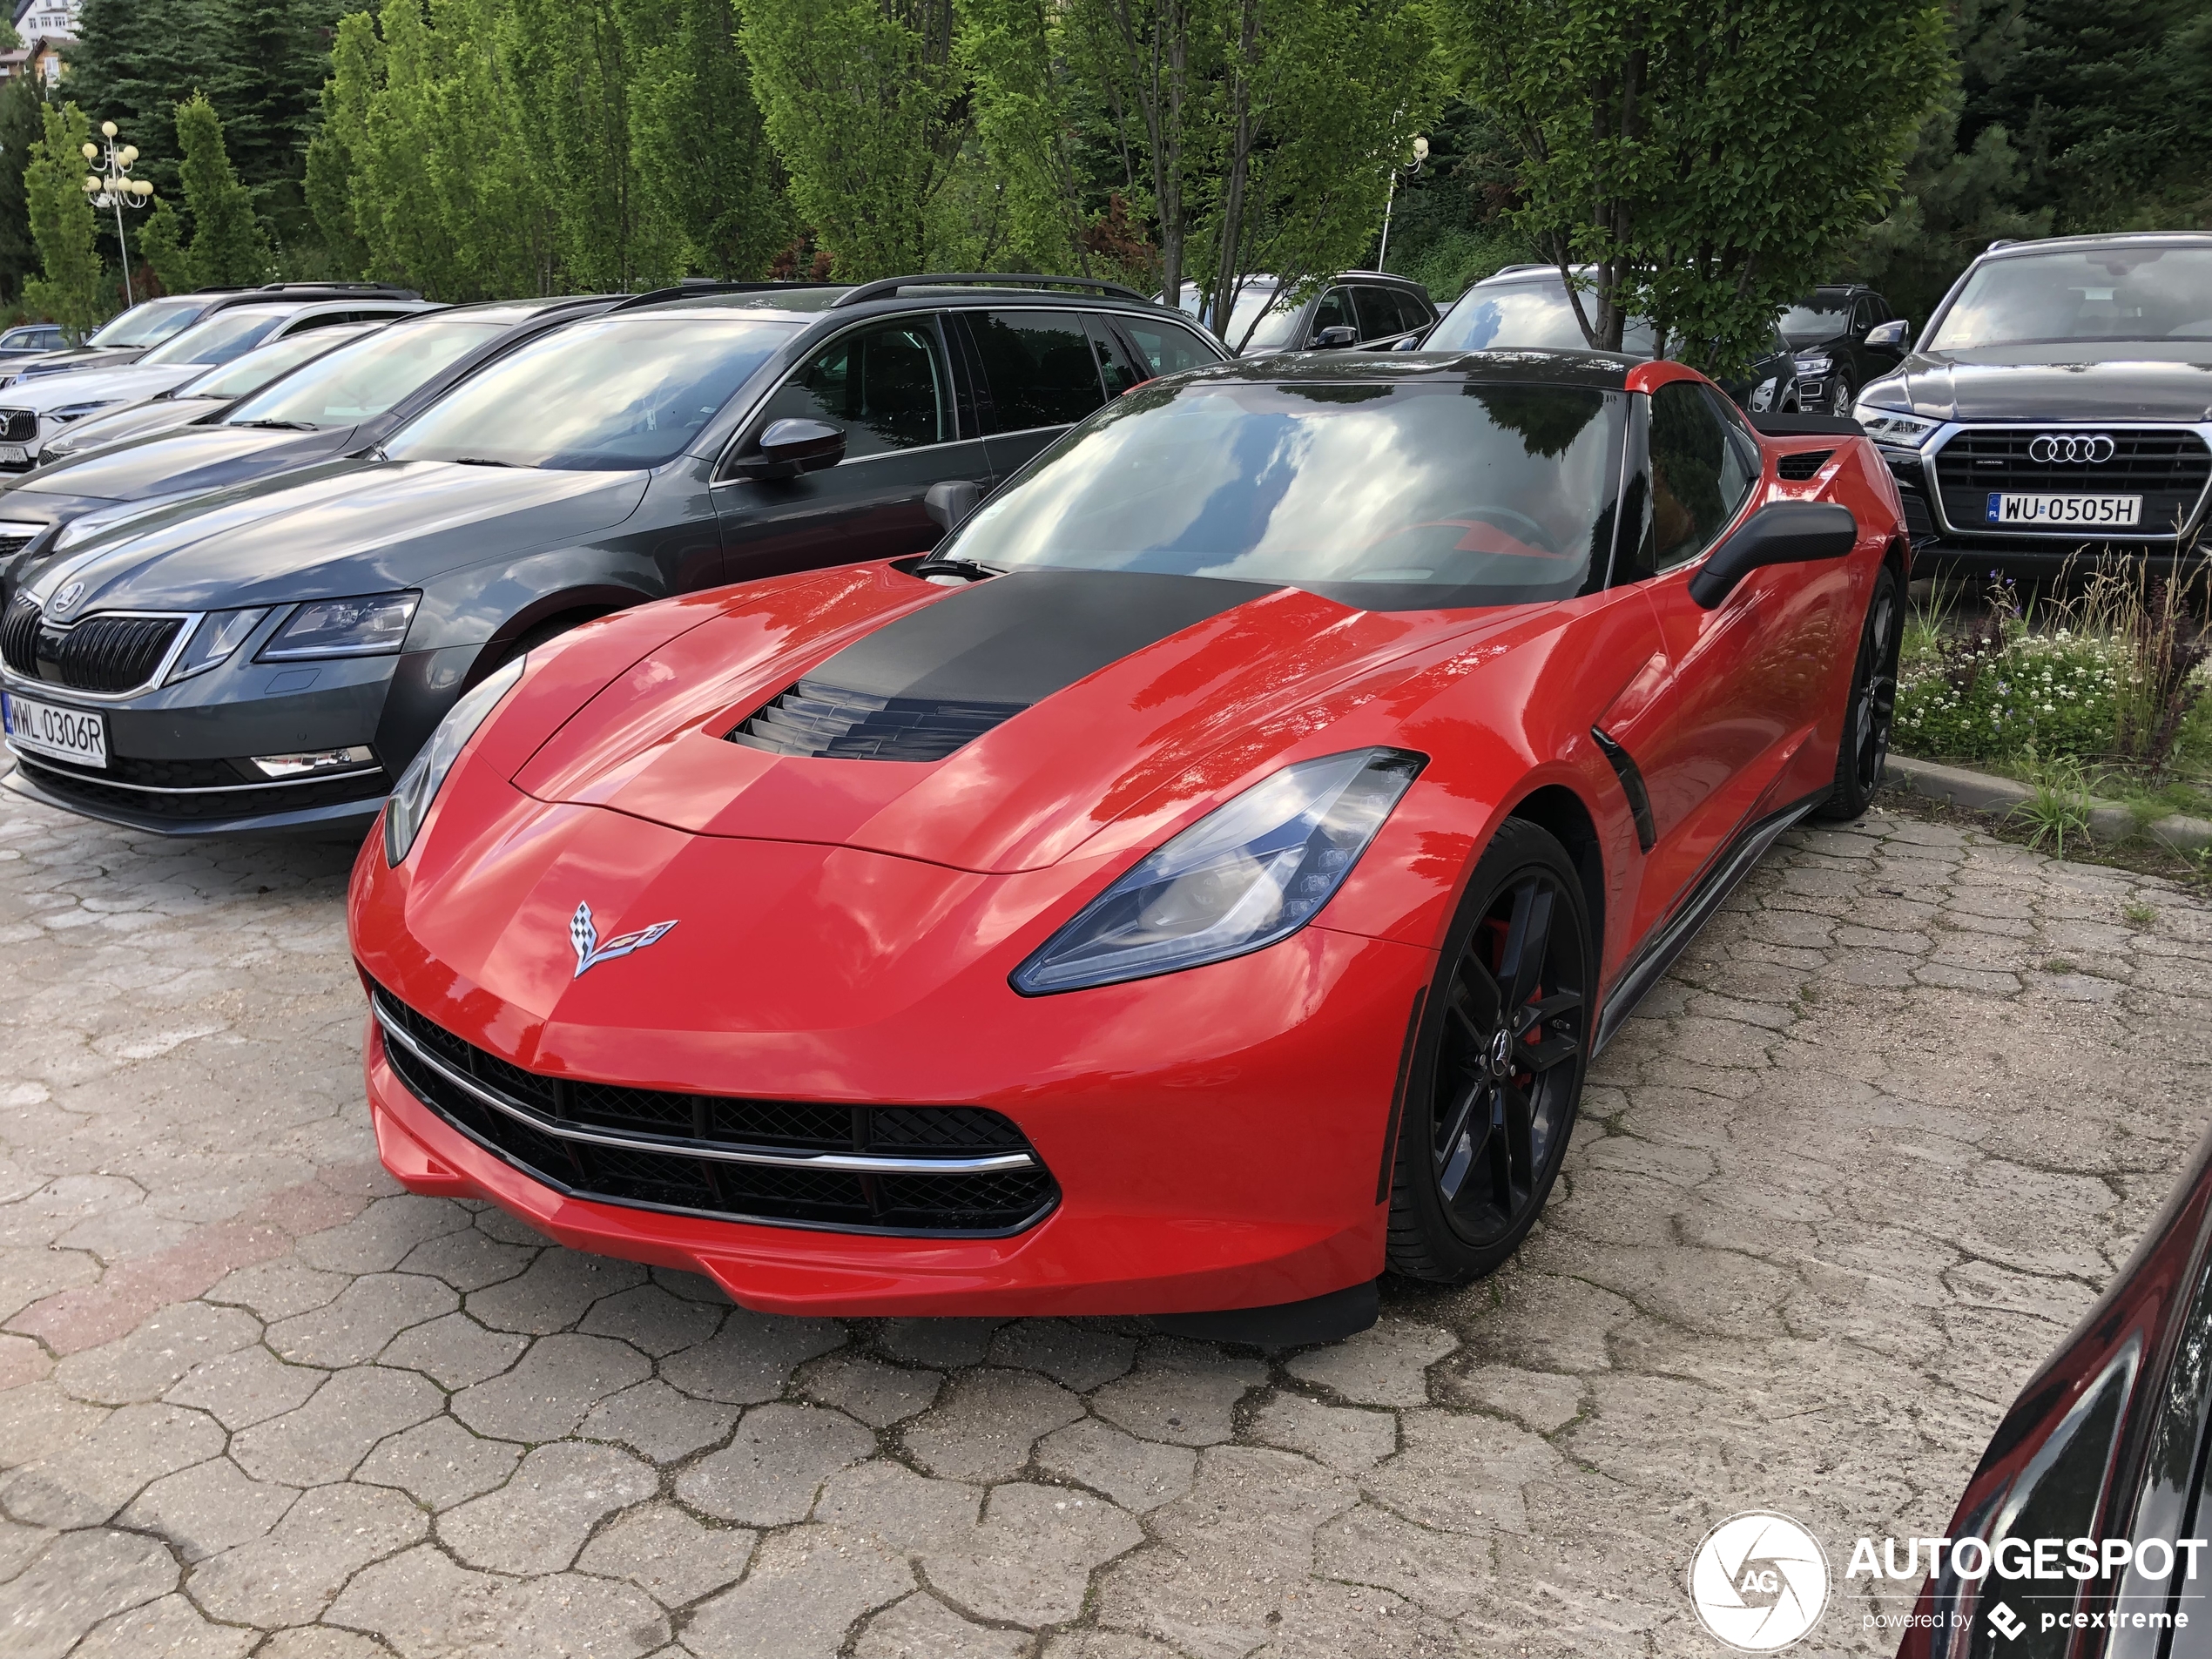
x: 2058, y: 406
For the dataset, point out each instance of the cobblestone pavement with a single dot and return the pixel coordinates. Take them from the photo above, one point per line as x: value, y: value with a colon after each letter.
x: 1887, y: 1128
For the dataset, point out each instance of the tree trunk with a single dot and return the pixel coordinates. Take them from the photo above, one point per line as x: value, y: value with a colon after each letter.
x: 1241, y: 68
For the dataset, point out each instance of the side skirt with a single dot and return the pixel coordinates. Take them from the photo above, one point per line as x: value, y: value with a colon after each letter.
x: 1721, y: 879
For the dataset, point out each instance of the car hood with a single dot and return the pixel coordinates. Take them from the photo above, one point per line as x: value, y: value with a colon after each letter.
x: 1109, y: 698
x: 94, y: 385
x: 2157, y: 381
x: 155, y: 415
x: 76, y: 360
x: 164, y: 463
x: 350, y: 526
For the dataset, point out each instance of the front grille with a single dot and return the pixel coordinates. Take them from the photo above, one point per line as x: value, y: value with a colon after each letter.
x: 17, y: 426
x: 2167, y: 468
x: 109, y: 654
x: 1799, y: 468
x: 204, y: 805
x: 548, y: 1141
x: 830, y: 723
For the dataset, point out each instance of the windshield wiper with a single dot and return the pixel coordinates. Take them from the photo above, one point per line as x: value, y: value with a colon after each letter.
x: 479, y: 461
x: 277, y: 426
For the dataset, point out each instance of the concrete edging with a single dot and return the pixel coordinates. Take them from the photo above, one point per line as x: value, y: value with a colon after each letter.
x: 1986, y: 792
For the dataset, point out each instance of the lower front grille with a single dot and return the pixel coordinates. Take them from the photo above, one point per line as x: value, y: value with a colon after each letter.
x: 931, y: 1171
x: 199, y: 804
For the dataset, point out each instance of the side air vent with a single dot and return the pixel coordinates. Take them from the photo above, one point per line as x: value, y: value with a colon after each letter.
x: 827, y: 722
x: 1799, y: 468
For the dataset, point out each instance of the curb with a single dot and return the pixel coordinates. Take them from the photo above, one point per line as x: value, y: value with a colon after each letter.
x: 1985, y: 792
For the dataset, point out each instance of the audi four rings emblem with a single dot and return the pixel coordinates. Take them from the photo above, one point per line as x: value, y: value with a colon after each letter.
x: 2082, y: 448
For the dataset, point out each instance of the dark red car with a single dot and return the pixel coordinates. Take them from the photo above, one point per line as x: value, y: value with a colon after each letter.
x: 1197, y: 884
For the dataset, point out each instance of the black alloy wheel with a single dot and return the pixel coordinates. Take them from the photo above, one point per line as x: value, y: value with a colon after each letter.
x: 1504, y: 1042
x: 1840, y: 394
x: 1873, y: 706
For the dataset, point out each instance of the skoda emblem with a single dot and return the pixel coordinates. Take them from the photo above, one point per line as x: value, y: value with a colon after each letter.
x: 2077, y: 449
x: 583, y: 933
x: 70, y: 593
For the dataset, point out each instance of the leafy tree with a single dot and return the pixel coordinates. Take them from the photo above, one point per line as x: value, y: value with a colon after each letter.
x: 22, y: 123
x: 274, y: 58
x: 228, y: 249
x: 135, y: 61
x: 69, y: 289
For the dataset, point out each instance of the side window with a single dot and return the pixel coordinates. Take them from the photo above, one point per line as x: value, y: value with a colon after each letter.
x: 1377, y: 309
x: 1167, y: 348
x: 1334, y: 311
x: 885, y: 388
x: 1411, y: 314
x: 1039, y: 367
x: 1115, y: 366
x: 1700, y: 475
x: 1862, y: 316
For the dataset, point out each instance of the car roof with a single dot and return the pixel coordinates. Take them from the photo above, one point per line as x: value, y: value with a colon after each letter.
x: 1606, y: 371
x: 2113, y: 239
x: 511, y: 311
x: 797, y: 302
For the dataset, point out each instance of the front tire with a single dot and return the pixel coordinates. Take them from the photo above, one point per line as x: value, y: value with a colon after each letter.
x: 1871, y: 706
x: 1498, y: 1073
x: 1841, y: 392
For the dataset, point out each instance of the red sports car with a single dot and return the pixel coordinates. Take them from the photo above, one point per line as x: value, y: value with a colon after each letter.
x: 1197, y: 884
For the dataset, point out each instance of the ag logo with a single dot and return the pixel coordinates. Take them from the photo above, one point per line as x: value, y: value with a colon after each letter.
x: 1758, y: 1582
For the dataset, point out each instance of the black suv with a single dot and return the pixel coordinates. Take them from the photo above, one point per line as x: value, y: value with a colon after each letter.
x: 270, y: 657
x: 2060, y: 404
x: 1840, y: 344
x: 1369, y: 310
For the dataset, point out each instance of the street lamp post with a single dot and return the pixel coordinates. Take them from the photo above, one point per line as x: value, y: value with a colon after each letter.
x: 1421, y: 160
x: 114, y: 187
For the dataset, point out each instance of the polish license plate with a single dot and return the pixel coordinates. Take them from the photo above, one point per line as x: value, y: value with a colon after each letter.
x: 45, y: 728
x: 13, y: 454
x: 2055, y: 511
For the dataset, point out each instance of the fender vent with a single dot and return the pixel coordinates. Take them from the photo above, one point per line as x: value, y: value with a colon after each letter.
x: 1799, y: 468
x: 829, y: 723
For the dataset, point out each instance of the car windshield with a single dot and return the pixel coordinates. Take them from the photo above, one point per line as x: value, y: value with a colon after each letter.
x: 616, y: 392
x: 257, y: 368
x: 1820, y: 318
x: 145, y: 325
x: 1382, y: 496
x: 1519, y: 316
x: 2101, y: 293
x: 364, y: 377
x: 1274, y: 329
x: 223, y: 336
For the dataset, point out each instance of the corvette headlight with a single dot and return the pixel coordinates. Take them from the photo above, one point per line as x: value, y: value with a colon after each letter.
x: 366, y: 627
x: 1245, y: 875
x: 426, y: 774
x: 1892, y: 427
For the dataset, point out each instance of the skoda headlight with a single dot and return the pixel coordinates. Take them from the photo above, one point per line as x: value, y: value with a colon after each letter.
x: 426, y: 774
x: 1893, y: 427
x: 1245, y: 875
x: 365, y: 627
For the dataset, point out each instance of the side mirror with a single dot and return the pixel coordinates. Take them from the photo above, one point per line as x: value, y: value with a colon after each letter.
x: 951, y: 501
x: 1334, y: 339
x: 790, y: 446
x: 1783, y: 532
x: 1890, y: 336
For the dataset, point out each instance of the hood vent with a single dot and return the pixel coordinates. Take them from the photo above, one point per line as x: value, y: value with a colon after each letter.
x: 1799, y: 468
x: 830, y: 723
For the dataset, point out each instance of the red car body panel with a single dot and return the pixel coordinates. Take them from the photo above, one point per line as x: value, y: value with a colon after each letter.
x: 847, y: 928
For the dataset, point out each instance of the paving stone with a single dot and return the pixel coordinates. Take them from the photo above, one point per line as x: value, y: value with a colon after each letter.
x: 889, y: 1503
x: 768, y: 1474
x: 1137, y: 1474
x: 37, y: 1420
x: 318, y: 1642
x: 440, y: 1463
x: 94, y: 1477
x: 1182, y: 1408
x: 1372, y: 1546
x: 278, y: 1289
x: 1460, y: 1474
x: 984, y: 1425
x: 751, y: 1357
x: 539, y: 1520
x: 20, y: 1546
x: 651, y: 1320
x: 247, y: 1387
x: 941, y: 1344
x: 1071, y: 1355
x: 1201, y: 1359
x: 83, y: 1578
x: 1543, y: 1401
x: 1383, y: 1366
x: 453, y: 1351
x: 323, y: 1440
x: 145, y: 1365
x: 552, y: 1389
x: 657, y: 1420
x: 553, y: 1292
x: 380, y: 1237
x: 289, y: 1576
x: 1343, y: 1437
x: 1029, y: 1561
x: 425, y: 1607
x: 361, y: 1320
x: 863, y: 1386
x: 170, y: 1628
x: 806, y: 1588
x: 468, y: 1259
x: 668, y: 1554
x: 920, y: 1627
x: 208, y: 1508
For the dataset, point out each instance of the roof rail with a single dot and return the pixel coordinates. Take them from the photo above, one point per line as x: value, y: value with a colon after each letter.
x: 889, y: 285
x: 691, y: 288
x: 1514, y: 270
x: 391, y: 289
x: 2002, y: 241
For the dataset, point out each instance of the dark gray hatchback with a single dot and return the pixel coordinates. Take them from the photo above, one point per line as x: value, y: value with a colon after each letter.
x: 269, y: 658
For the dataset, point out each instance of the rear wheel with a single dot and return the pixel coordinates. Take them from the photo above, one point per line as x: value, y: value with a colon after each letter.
x: 1871, y: 707
x: 1499, y: 1064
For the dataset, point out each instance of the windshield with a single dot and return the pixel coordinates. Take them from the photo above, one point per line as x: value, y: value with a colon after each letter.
x: 1385, y: 497
x: 2105, y: 294
x: 1519, y: 316
x: 223, y: 336
x: 1819, y: 318
x: 142, y: 325
x: 1274, y: 330
x: 611, y: 392
x: 257, y: 368
x: 362, y: 379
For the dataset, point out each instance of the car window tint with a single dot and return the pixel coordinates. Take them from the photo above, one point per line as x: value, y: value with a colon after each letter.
x: 1334, y: 310
x: 884, y: 388
x: 1699, y: 476
x: 1410, y: 311
x: 1039, y: 367
x: 1115, y: 366
x: 223, y: 336
x: 1377, y: 312
x: 363, y: 378
x: 1166, y: 347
